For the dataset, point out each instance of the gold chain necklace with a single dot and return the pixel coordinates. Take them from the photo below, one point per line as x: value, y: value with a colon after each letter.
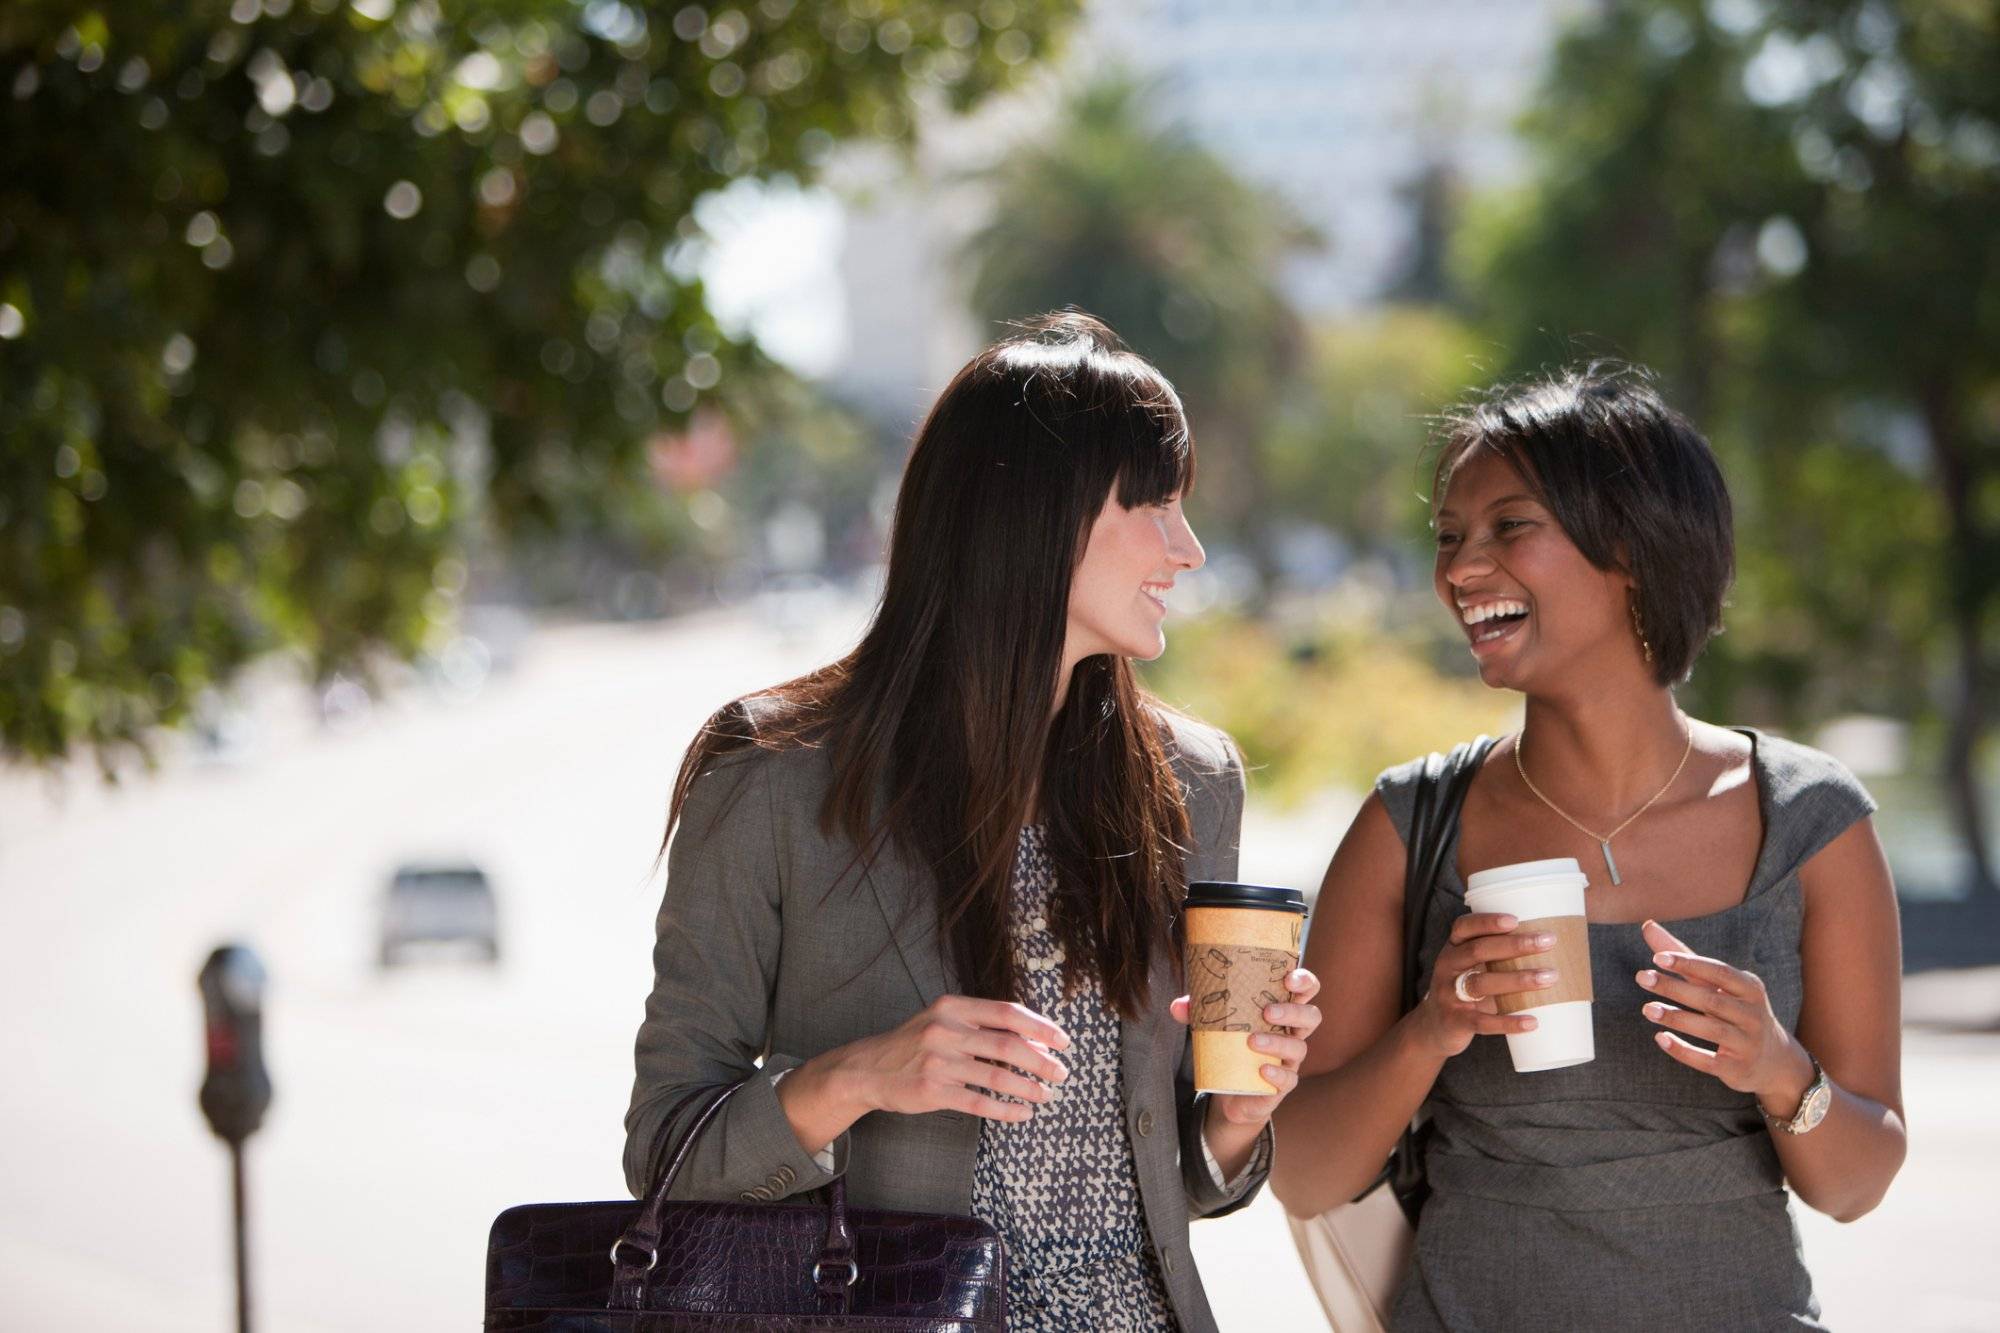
x: 1603, y: 839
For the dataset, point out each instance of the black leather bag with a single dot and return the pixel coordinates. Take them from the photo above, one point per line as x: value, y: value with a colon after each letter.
x: 1439, y: 799
x: 660, y: 1267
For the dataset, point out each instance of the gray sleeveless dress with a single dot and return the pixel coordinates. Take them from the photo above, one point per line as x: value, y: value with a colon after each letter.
x: 1631, y: 1191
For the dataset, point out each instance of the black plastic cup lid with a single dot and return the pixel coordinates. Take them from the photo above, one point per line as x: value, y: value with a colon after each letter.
x: 1224, y: 893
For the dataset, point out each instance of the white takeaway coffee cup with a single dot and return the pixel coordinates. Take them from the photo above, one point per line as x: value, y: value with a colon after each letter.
x: 1546, y: 897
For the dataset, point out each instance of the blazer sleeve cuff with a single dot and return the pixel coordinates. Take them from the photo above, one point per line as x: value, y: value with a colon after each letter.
x: 748, y: 1152
x: 1208, y: 1194
x: 832, y: 1159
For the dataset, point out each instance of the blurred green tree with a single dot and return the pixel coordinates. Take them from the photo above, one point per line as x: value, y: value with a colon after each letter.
x: 1125, y: 215
x: 1787, y: 209
x: 291, y: 290
x: 1347, y: 450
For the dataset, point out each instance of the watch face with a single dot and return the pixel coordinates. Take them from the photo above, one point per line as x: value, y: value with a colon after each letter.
x: 1815, y: 1108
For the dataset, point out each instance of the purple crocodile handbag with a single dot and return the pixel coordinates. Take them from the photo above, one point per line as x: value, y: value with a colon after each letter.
x: 660, y: 1267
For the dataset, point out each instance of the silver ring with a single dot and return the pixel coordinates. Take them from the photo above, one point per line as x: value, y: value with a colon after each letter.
x: 652, y: 1255
x: 1458, y: 985
x: 853, y: 1272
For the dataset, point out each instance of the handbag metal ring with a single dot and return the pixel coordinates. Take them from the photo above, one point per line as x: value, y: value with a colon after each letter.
x: 652, y: 1256
x: 853, y: 1272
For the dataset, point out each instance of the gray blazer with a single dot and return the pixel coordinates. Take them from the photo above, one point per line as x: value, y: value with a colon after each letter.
x: 768, y: 954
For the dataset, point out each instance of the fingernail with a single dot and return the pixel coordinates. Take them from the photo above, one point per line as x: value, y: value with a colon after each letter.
x: 1649, y: 977
x: 1545, y: 941
x: 1261, y: 1042
x: 1664, y: 959
x: 1653, y: 1011
x: 1545, y: 978
x: 1529, y: 1024
x: 1508, y: 922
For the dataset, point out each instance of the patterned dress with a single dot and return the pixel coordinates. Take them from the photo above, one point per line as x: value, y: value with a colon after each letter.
x: 1061, y: 1188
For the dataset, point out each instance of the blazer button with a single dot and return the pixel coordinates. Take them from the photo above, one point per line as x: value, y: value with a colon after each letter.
x: 1145, y: 1123
x: 761, y: 1194
x: 786, y: 1175
x: 1167, y: 1261
x: 748, y: 1196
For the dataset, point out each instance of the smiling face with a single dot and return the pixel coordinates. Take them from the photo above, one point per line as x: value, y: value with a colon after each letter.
x: 1129, y: 562
x: 1535, y: 612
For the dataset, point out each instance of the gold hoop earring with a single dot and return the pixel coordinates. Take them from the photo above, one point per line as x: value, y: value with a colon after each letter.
x: 1640, y: 630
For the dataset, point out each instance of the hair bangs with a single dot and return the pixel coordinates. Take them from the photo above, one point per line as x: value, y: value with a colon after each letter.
x: 1158, y: 448
x: 1468, y: 434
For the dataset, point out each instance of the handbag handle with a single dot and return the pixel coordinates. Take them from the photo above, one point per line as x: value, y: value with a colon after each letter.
x: 833, y: 1274
x: 1437, y: 802
x: 1440, y: 796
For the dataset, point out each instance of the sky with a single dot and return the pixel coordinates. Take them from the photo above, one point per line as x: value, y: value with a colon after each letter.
x: 772, y: 269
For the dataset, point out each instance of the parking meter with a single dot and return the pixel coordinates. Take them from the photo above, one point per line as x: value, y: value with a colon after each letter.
x: 236, y: 1091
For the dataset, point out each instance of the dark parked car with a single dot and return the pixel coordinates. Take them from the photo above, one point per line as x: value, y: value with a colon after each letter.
x: 439, y: 903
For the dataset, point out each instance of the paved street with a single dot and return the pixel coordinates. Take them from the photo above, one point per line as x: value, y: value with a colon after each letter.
x: 413, y: 1106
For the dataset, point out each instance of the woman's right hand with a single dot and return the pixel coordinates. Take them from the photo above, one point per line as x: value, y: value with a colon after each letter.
x: 1478, y: 938
x: 940, y: 1058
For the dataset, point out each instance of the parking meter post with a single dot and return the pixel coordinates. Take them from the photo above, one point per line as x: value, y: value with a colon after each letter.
x: 242, y: 1238
x: 236, y: 1091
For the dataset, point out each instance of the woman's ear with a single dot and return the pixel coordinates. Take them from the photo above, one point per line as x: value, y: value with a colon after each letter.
x: 1621, y: 565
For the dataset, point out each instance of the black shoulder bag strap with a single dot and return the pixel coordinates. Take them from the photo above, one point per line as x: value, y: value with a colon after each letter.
x: 1438, y: 800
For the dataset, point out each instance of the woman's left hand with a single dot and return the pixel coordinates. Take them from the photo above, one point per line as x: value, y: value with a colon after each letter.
x: 1301, y: 1018
x: 1728, y: 1008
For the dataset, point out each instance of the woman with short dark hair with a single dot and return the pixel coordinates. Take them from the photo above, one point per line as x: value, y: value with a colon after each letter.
x: 923, y: 904
x: 1742, y: 922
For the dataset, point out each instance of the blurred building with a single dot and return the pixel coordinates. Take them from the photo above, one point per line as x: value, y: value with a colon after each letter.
x: 1341, y: 106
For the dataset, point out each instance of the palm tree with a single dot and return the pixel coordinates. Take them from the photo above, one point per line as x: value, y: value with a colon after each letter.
x: 1125, y: 215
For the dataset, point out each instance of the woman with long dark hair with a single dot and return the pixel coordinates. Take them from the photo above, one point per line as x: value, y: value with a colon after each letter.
x: 1742, y: 922
x: 923, y: 901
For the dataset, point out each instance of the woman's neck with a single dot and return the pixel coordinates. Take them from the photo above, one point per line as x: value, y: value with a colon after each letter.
x: 1603, y: 753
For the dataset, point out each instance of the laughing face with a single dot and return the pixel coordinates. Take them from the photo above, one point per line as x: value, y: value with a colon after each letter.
x: 1117, y: 595
x: 1532, y: 608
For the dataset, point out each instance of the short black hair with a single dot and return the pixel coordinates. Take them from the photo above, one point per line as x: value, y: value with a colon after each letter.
x: 1630, y: 480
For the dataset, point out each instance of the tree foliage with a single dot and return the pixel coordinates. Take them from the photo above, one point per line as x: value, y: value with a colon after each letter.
x: 1349, y: 451
x: 292, y: 291
x: 1787, y: 208
x: 1126, y: 215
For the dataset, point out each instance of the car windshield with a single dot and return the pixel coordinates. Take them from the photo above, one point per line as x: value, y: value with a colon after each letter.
x: 441, y: 882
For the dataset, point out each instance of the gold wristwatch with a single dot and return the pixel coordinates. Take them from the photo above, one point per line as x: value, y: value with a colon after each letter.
x: 1812, y: 1107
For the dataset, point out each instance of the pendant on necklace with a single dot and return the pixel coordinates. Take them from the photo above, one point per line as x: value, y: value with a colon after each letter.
x: 1609, y: 864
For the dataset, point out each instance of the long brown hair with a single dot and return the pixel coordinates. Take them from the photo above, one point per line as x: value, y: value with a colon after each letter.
x: 938, y: 724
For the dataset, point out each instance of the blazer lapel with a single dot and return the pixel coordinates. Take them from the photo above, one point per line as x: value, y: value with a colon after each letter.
x: 908, y: 902
x: 1150, y: 1042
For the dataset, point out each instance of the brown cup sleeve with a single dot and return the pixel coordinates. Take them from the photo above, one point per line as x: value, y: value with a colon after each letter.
x: 1229, y: 985
x: 1570, y: 958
